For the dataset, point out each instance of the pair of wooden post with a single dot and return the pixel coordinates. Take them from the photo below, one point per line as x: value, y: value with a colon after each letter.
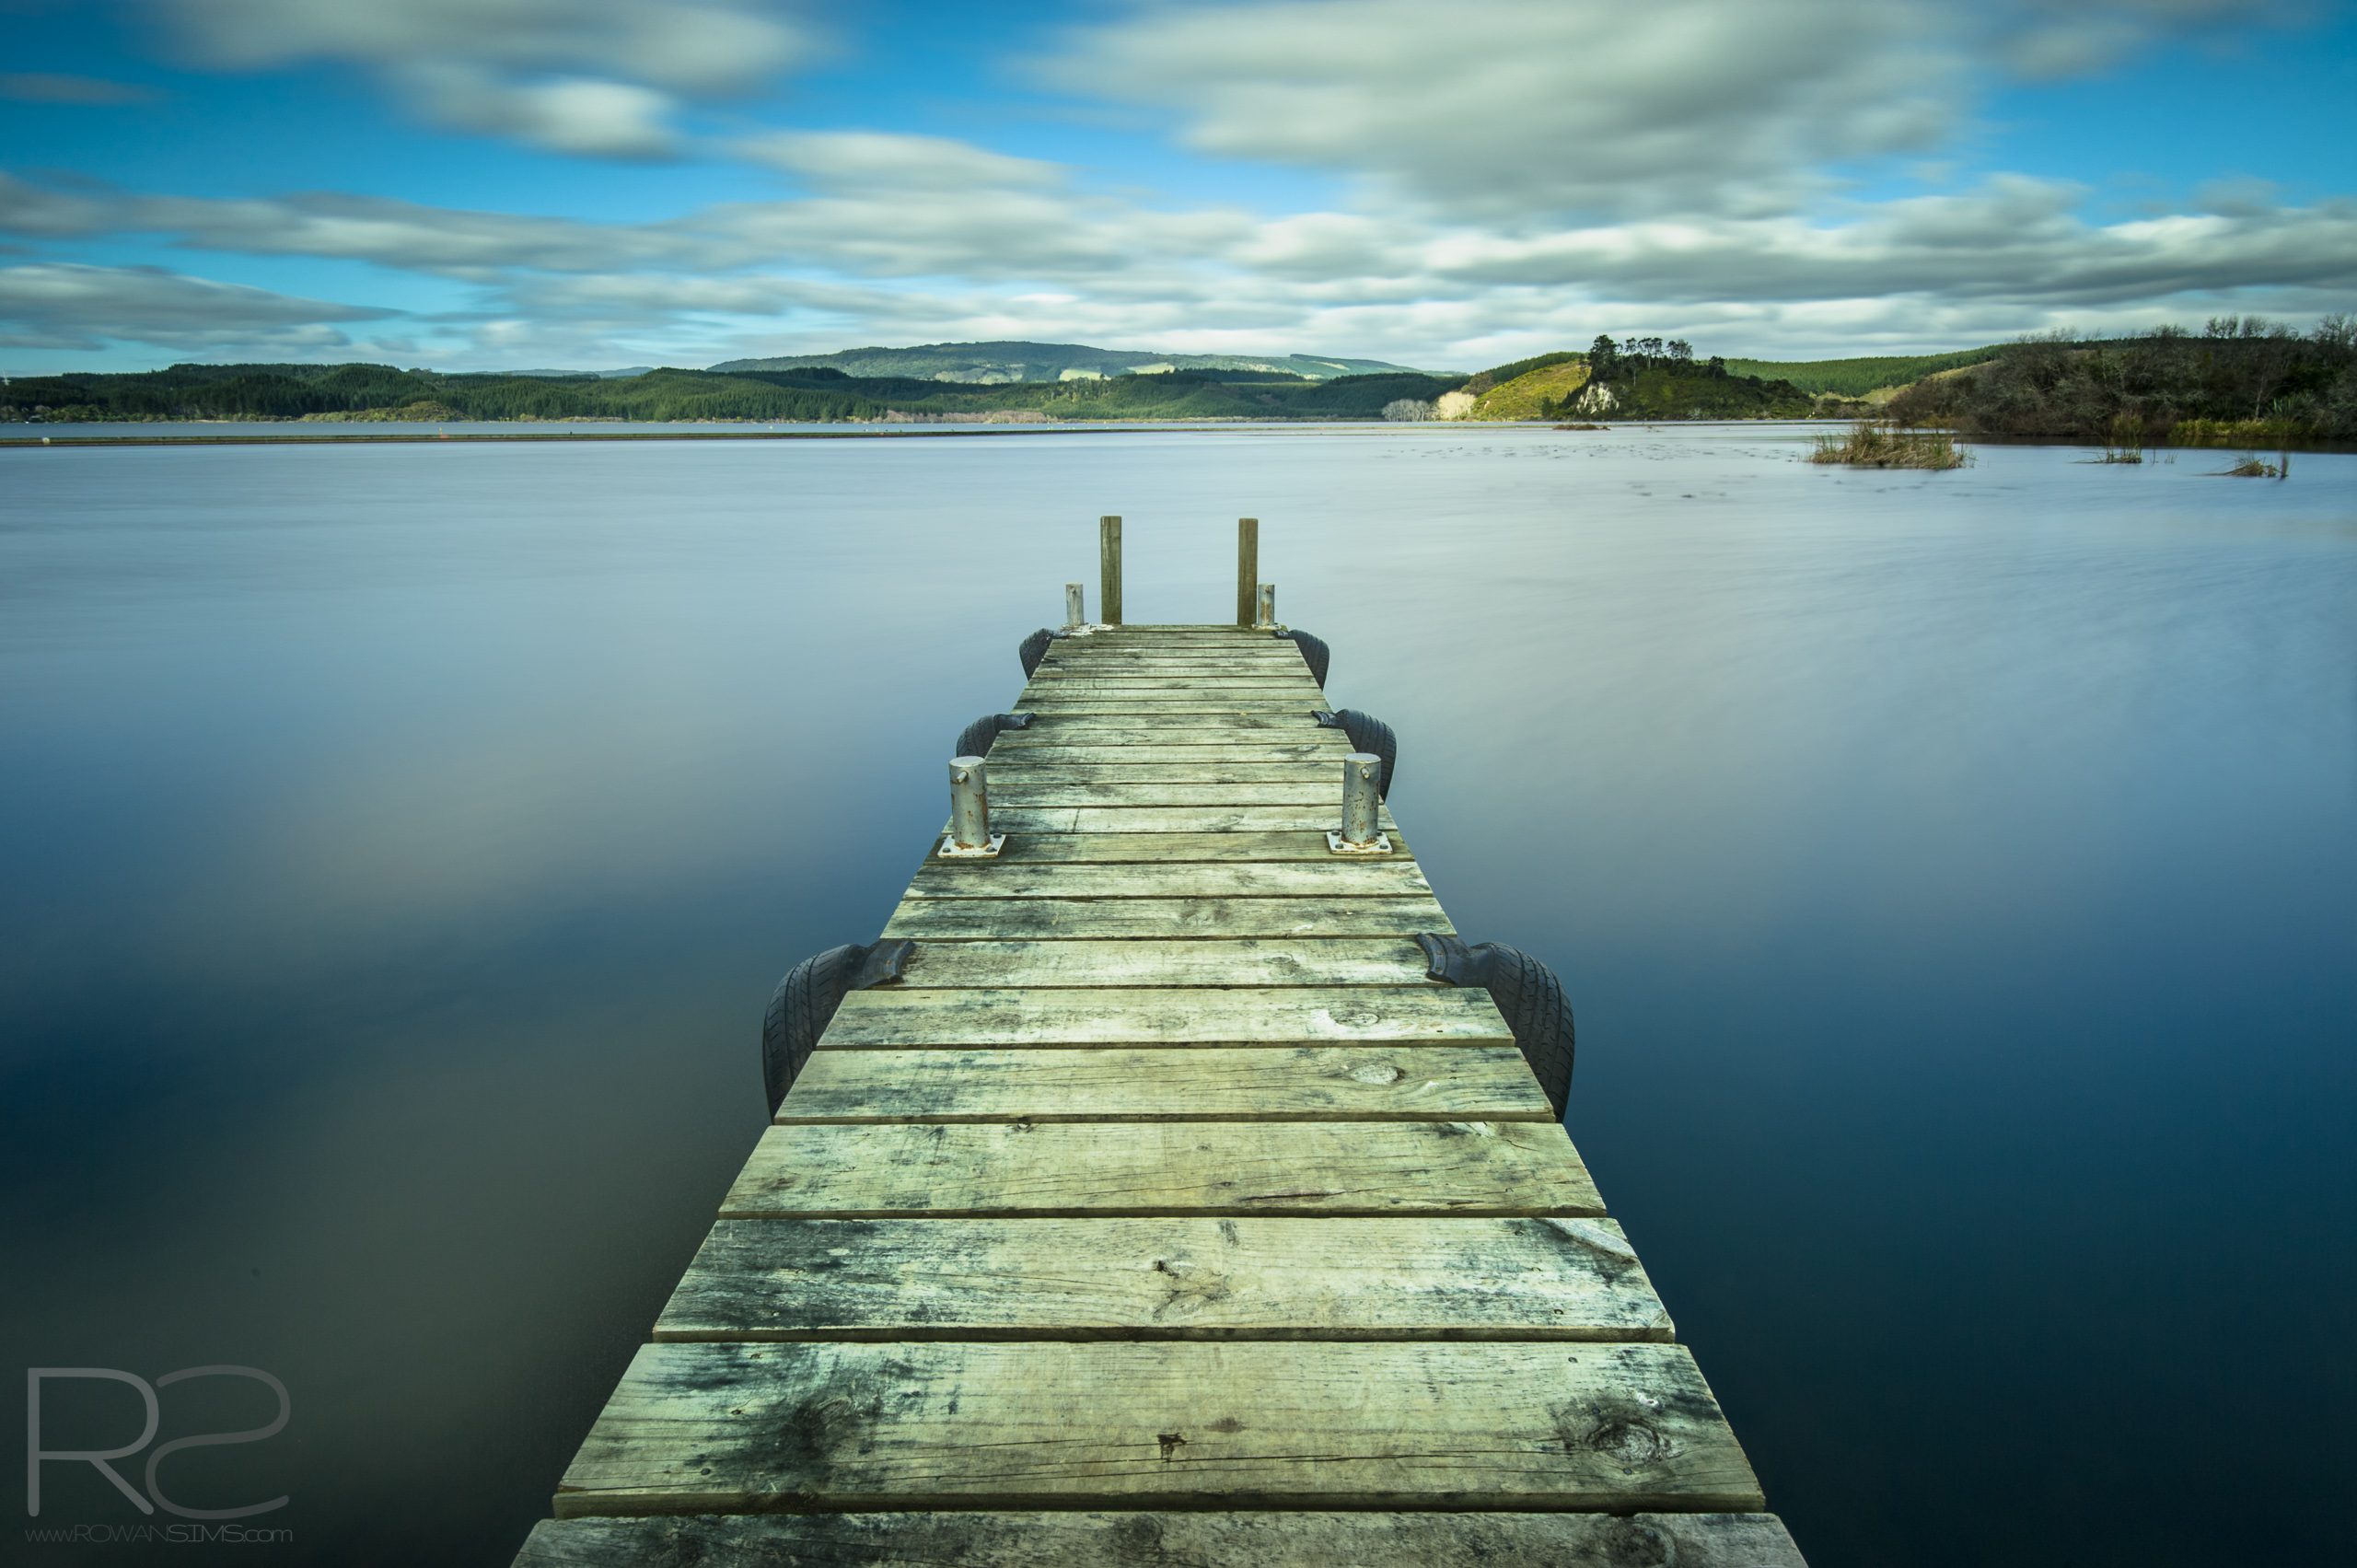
x: 1256, y: 601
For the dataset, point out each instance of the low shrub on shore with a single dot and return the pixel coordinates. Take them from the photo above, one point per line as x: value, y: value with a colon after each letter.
x: 1873, y: 444
x: 2243, y: 433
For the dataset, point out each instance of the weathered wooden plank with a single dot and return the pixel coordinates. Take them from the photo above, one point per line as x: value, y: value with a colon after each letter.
x: 1064, y: 920
x: 1255, y: 660
x: 1042, y: 696
x: 1254, y: 961
x: 1291, y: 672
x: 1288, y: 664
x: 892, y: 1017
x: 1093, y: 647
x: 1256, y: 656
x: 1014, y: 791
x: 1147, y: 632
x: 1138, y: 673
x: 1332, y: 878
x: 1107, y: 707
x: 713, y: 1428
x: 1013, y: 819
x: 969, y: 1539
x: 1037, y: 849
x: 1022, y: 769
x: 1234, y: 729
x: 1163, y: 1168
x: 1243, y: 639
x: 1052, y: 683
x: 1129, y: 672
x: 1196, y: 1279
x: 1331, y: 1082
x: 1284, y: 697
x: 1144, y: 749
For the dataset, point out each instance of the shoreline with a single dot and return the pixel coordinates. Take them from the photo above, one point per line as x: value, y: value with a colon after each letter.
x: 898, y: 432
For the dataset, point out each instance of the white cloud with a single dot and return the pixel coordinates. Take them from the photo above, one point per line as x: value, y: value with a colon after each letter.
x: 574, y: 115
x: 1526, y: 113
x: 1520, y: 110
x: 1041, y: 260
x: 693, y: 48
x: 866, y: 159
x: 451, y: 242
x: 63, y: 305
x: 596, y: 77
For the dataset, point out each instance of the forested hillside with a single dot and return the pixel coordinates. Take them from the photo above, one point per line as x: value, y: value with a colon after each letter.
x: 997, y: 364
x: 814, y: 393
x: 2241, y: 381
x: 1856, y: 378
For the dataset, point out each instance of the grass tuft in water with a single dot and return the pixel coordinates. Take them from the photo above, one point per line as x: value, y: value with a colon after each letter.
x: 2125, y: 442
x: 1875, y: 444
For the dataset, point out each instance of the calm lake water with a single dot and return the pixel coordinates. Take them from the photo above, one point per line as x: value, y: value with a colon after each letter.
x: 1952, y: 875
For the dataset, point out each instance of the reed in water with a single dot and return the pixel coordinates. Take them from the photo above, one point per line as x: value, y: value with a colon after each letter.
x: 1877, y: 444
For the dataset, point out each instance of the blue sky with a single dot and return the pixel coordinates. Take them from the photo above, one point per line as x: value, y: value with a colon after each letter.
x: 590, y: 183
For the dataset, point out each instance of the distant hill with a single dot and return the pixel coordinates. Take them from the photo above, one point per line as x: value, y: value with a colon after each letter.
x: 563, y: 374
x: 375, y: 392
x: 1001, y: 364
x: 1856, y: 378
x: 1535, y: 394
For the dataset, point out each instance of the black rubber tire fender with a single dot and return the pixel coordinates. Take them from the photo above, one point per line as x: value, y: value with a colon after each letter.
x: 1532, y: 999
x: 1033, y: 649
x: 975, y: 739
x: 799, y: 1012
x: 1314, y: 653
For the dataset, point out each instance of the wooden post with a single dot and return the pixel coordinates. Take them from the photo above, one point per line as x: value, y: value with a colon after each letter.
x: 1268, y: 604
x: 1247, y: 567
x: 1109, y: 570
x: 969, y: 803
x: 1075, y: 613
x: 1360, y: 771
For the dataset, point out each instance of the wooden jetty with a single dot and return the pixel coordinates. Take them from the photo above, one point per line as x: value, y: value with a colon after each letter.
x: 1165, y: 1211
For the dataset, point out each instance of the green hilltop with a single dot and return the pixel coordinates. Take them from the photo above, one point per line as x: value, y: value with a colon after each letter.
x: 998, y: 363
x: 1856, y: 378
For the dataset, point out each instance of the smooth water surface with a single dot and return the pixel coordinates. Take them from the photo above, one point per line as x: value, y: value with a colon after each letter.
x: 1952, y: 875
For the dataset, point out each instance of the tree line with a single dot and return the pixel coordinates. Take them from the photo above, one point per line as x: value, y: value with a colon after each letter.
x: 2238, y: 372
x: 813, y: 394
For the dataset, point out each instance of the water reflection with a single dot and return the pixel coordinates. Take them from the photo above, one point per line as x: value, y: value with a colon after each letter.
x: 1950, y: 871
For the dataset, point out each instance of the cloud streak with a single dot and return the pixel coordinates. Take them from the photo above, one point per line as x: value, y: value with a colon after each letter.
x: 591, y: 77
x: 68, y: 306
